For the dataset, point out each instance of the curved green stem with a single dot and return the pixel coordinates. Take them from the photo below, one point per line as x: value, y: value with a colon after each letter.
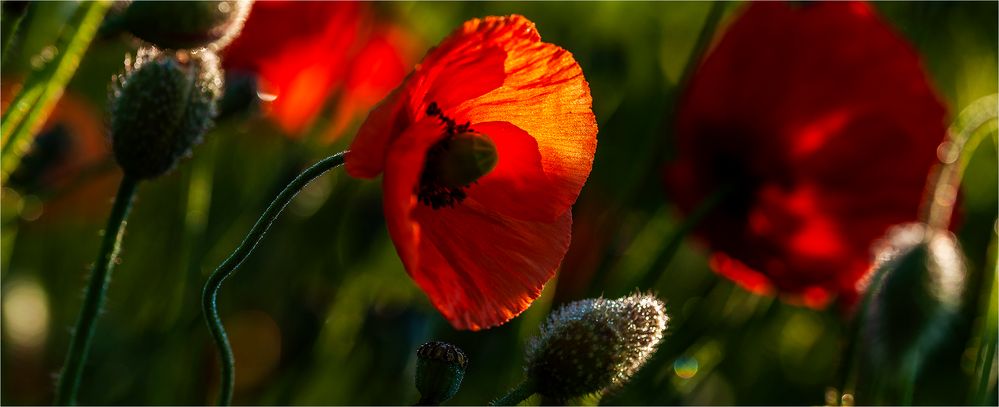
x: 525, y: 389
x: 93, y: 300
x: 209, y: 297
x: 962, y: 139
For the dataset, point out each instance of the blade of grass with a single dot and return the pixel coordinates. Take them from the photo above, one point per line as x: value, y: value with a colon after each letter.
x: 42, y: 89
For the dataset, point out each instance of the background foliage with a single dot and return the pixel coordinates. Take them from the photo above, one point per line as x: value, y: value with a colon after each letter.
x: 323, y: 312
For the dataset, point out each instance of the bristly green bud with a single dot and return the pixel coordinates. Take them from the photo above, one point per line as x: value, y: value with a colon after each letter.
x: 594, y: 345
x: 161, y: 106
x: 186, y: 24
x: 914, y: 295
x: 467, y: 157
x: 440, y: 367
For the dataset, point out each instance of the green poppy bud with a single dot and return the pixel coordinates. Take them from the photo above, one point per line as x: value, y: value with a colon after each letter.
x: 161, y: 107
x: 594, y: 345
x: 467, y: 157
x: 914, y: 295
x: 440, y: 367
x: 186, y: 24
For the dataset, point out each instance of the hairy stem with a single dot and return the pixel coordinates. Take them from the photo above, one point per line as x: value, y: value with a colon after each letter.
x: 525, y: 389
x: 93, y: 300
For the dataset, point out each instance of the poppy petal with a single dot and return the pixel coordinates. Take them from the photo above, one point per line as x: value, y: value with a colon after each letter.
x: 517, y: 186
x: 480, y: 268
x: 369, y: 148
x: 546, y: 96
x: 402, y: 173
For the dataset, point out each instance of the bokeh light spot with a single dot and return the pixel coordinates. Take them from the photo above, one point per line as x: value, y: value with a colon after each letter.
x: 25, y: 314
x: 685, y: 367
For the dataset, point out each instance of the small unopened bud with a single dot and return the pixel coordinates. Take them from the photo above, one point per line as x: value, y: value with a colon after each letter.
x: 594, y: 345
x: 440, y: 367
x: 466, y: 158
x: 186, y: 24
x: 161, y: 107
x: 915, y: 294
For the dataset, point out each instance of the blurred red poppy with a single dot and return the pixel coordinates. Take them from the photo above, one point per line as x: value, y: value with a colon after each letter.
x: 819, y: 120
x: 483, y: 251
x: 305, y: 52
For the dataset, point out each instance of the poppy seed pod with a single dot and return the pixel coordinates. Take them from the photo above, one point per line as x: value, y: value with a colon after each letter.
x: 186, y: 24
x: 463, y: 159
x: 594, y: 345
x: 440, y: 367
x: 915, y: 294
x: 161, y: 107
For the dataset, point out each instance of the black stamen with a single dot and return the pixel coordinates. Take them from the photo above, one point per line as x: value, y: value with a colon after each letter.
x: 431, y: 191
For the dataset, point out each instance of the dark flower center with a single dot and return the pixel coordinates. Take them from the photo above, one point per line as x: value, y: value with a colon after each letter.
x: 454, y: 163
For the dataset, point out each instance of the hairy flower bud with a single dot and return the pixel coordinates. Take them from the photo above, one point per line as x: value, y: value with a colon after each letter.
x: 915, y: 294
x: 186, y: 24
x: 161, y: 107
x: 594, y: 345
x: 440, y: 367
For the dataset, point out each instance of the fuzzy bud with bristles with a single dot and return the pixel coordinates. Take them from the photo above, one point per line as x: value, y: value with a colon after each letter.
x: 914, y: 295
x: 594, y: 345
x: 440, y: 367
x: 186, y: 24
x: 161, y: 107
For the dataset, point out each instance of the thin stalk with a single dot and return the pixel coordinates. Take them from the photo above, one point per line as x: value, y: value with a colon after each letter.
x: 525, y: 389
x: 32, y: 105
x: 651, y: 278
x: 985, y: 364
x: 93, y: 300
x: 209, y: 297
x: 11, y: 28
x: 649, y: 165
x: 963, y: 138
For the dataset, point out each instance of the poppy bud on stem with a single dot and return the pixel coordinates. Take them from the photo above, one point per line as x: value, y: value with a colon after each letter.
x: 160, y: 108
x: 440, y: 367
x: 186, y: 24
x: 913, y: 298
x: 591, y: 346
x: 914, y: 289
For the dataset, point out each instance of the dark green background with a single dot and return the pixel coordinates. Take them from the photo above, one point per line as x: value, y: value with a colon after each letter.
x: 323, y: 312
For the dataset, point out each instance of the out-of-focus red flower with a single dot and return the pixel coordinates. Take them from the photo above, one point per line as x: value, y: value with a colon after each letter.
x: 820, y: 121
x: 483, y: 252
x: 305, y: 52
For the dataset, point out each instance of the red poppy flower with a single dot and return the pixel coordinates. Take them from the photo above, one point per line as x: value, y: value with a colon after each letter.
x: 482, y: 252
x: 820, y: 121
x: 304, y: 52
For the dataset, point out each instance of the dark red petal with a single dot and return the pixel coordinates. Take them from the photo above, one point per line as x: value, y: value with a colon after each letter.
x: 370, y: 147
